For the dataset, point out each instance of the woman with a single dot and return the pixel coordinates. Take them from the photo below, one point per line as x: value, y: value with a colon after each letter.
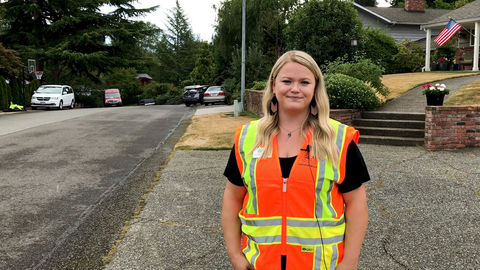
x: 295, y: 198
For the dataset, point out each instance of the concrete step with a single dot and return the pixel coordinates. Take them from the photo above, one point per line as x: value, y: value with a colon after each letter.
x: 394, y: 116
x: 398, y: 141
x: 391, y: 132
x: 410, y: 124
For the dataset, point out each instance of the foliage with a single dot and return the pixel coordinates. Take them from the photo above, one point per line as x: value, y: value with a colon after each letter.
x: 259, y: 85
x: 437, y: 89
x: 324, y: 29
x: 257, y: 63
x: 232, y: 90
x: 163, y: 93
x: 74, y: 38
x: 410, y: 57
x: 265, y: 23
x: 4, y: 91
x: 447, y: 51
x: 176, y: 48
x: 10, y: 62
x: 345, y: 92
x: 16, y: 91
x: 380, y: 48
x: 366, y: 3
x: 125, y: 80
x: 29, y: 89
x: 204, y: 71
x: 94, y: 98
x: 364, y: 70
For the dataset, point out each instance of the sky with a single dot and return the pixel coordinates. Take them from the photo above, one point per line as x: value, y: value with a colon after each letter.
x: 200, y: 13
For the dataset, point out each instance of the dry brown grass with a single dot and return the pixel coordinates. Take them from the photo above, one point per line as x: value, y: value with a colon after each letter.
x: 211, y: 132
x: 467, y: 95
x: 401, y: 83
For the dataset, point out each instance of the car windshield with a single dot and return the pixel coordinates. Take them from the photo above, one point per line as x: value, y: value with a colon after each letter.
x: 50, y: 90
x: 112, y: 95
x: 214, y: 88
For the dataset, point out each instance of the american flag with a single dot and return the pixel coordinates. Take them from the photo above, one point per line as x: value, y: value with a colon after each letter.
x: 450, y: 29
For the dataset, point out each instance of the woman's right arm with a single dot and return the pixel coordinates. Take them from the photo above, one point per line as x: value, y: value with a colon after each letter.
x: 232, y: 204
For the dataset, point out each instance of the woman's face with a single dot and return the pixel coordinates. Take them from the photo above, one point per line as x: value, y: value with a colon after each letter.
x: 294, y: 88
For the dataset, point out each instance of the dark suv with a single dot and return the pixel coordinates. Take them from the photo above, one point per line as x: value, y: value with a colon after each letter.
x: 193, y: 94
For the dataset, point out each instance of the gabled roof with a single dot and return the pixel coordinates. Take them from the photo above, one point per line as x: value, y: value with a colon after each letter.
x: 468, y: 13
x: 401, y: 16
x: 143, y: 75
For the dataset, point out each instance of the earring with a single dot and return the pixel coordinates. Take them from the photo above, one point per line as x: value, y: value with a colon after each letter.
x: 313, y: 109
x: 273, y: 106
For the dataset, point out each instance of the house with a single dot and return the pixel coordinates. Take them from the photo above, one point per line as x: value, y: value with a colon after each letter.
x: 144, y: 79
x: 400, y: 23
x: 468, y: 16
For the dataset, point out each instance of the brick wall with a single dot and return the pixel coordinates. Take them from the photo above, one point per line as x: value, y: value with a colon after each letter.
x: 254, y: 104
x: 452, y: 127
x: 415, y: 5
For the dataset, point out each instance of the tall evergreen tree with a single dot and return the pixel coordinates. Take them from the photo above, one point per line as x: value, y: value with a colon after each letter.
x: 176, y: 49
x: 71, y: 38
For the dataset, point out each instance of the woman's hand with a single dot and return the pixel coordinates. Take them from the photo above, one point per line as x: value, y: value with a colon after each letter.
x: 239, y: 262
x: 346, y: 266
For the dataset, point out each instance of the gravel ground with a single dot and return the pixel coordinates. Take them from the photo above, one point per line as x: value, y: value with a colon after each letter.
x: 424, y: 212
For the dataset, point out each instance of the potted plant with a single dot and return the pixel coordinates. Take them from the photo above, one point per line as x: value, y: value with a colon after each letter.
x: 443, y: 63
x: 435, y: 93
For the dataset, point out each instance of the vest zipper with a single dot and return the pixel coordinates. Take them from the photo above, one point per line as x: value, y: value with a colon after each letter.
x: 284, y: 216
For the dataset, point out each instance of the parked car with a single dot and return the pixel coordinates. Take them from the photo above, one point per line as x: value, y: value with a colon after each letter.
x: 193, y: 94
x: 53, y: 96
x: 214, y: 94
x: 113, y: 97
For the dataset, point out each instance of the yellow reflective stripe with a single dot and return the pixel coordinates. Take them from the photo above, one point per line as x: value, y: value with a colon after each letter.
x: 251, y: 251
x: 333, y: 259
x: 246, y: 142
x: 274, y: 239
x: 317, y: 263
x: 318, y: 189
x: 327, y: 252
x: 314, y: 241
x: 315, y: 223
x: 315, y: 232
x: 255, y: 231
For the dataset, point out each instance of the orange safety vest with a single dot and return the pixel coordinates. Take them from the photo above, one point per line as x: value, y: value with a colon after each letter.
x: 301, y: 216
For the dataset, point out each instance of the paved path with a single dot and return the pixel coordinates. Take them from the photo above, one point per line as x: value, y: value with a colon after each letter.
x: 424, y: 212
x: 415, y: 101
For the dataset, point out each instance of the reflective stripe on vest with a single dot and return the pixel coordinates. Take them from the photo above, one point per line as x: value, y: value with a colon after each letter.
x: 320, y: 233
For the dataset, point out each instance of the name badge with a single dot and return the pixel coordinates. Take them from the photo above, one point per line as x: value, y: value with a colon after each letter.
x: 257, y: 153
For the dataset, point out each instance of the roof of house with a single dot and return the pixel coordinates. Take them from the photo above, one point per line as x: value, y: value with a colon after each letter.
x: 468, y: 13
x: 143, y: 75
x: 401, y: 16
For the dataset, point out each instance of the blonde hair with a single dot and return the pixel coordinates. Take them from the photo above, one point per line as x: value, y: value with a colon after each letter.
x: 323, y: 140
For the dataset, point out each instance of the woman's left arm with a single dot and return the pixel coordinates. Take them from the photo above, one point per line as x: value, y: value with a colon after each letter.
x: 356, y: 217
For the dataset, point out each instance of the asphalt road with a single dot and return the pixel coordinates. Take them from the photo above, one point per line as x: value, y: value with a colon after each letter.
x: 70, y: 179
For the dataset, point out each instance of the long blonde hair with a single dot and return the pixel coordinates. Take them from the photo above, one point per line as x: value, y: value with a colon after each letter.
x: 323, y: 141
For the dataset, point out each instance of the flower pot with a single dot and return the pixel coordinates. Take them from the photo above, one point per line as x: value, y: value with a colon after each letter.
x: 443, y: 66
x: 435, y: 99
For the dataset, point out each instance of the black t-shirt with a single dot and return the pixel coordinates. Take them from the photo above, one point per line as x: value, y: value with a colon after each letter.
x: 356, y: 171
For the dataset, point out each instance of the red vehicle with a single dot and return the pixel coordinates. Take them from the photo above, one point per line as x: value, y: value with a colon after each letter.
x: 113, y: 97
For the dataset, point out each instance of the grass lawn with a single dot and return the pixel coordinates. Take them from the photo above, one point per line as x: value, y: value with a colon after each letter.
x: 467, y: 95
x: 402, y: 82
x: 215, y: 131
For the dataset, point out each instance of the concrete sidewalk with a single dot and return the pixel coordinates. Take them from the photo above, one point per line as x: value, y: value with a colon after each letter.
x: 424, y: 212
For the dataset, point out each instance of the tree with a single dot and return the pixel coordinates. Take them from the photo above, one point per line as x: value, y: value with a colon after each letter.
x: 379, y: 47
x: 4, y: 90
x: 10, y: 63
x: 73, y: 38
x: 266, y: 20
x: 204, y: 71
x: 176, y: 48
x: 324, y: 29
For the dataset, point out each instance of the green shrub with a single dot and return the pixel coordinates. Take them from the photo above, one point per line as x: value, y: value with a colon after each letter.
x: 162, y: 99
x: 95, y: 98
x: 380, y: 48
x: 174, y: 95
x: 232, y: 90
x: 345, y: 92
x: 363, y: 69
x: 410, y: 57
x: 259, y: 85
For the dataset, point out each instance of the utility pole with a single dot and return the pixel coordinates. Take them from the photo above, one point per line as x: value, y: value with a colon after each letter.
x: 242, y: 85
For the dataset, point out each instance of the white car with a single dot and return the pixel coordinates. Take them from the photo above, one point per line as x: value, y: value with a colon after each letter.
x: 214, y: 94
x: 53, y: 96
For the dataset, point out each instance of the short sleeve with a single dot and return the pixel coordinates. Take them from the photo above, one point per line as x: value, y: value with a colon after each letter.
x: 356, y: 171
x: 231, y: 170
